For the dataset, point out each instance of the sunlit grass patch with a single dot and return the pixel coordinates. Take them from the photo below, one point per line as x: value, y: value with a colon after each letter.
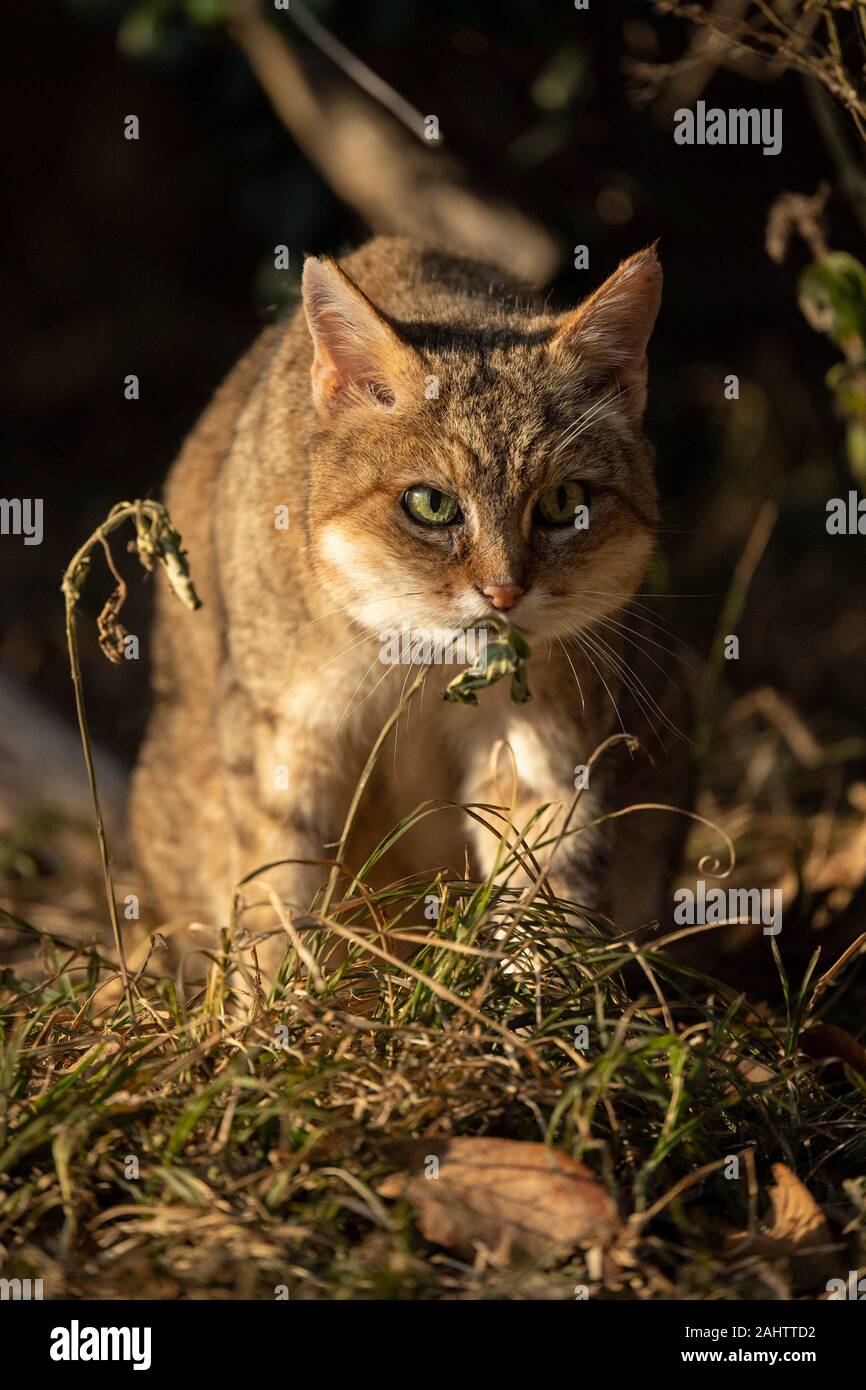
x: 211, y: 1150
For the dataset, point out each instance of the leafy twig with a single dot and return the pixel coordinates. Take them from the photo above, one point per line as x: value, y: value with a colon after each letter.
x: 507, y: 656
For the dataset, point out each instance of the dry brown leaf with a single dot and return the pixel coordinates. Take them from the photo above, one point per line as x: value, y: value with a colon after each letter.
x: 798, y: 1228
x: 798, y: 1221
x: 754, y: 1071
x: 825, y: 1041
x: 518, y: 1200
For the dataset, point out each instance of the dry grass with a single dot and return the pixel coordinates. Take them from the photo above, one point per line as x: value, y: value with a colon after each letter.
x: 261, y: 1136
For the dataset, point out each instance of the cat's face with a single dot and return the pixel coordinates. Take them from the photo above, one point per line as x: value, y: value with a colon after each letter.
x: 458, y: 475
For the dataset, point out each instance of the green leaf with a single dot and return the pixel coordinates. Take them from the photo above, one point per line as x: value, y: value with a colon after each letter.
x: 506, y: 656
x: 855, y: 445
x: 832, y: 296
x: 206, y: 11
x: 848, y: 381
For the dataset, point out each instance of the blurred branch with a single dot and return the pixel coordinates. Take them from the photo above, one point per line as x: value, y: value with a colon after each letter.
x: 382, y: 173
x: 352, y: 66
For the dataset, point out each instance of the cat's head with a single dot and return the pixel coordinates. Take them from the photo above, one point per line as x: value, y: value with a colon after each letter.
x: 475, y: 467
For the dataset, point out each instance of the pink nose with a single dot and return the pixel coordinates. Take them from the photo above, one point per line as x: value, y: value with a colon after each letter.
x: 503, y: 595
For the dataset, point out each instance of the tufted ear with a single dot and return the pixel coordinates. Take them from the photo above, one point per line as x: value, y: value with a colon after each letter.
x: 358, y: 357
x: 605, y: 338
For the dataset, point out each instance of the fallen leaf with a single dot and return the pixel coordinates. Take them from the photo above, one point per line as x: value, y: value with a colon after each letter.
x: 519, y: 1200
x: 825, y: 1041
x: 797, y: 1227
x: 753, y: 1071
x: 798, y: 1221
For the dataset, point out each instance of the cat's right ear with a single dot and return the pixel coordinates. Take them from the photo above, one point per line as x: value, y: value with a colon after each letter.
x: 358, y: 358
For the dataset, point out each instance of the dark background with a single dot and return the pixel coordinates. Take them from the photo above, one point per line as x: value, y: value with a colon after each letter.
x: 156, y: 257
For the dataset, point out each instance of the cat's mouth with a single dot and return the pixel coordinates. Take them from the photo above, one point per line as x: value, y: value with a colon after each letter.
x: 492, y: 626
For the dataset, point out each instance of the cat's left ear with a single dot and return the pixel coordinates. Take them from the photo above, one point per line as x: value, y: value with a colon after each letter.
x: 358, y: 357
x: 605, y: 338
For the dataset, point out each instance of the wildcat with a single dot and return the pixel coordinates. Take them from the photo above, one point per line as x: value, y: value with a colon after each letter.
x: 430, y: 436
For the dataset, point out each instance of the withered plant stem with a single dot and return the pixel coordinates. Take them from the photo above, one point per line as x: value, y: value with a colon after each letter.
x: 156, y: 540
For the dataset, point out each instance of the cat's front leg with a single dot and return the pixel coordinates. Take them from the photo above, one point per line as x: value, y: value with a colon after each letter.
x: 288, y: 784
x: 619, y: 805
x: 552, y: 795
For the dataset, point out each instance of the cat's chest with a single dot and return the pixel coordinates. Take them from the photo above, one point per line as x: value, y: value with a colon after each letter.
x: 332, y: 707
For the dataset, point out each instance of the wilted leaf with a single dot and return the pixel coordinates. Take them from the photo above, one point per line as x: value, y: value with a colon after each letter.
x: 518, y: 1200
x: 112, y: 633
x: 157, y: 540
x: 506, y: 656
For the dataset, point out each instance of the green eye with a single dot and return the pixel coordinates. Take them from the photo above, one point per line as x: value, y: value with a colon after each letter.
x: 557, y: 506
x: 430, y: 507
